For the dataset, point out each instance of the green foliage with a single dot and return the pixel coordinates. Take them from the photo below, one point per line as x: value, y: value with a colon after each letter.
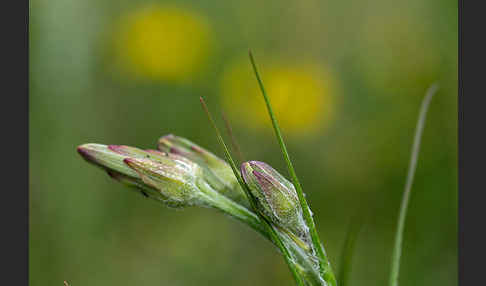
x: 88, y: 230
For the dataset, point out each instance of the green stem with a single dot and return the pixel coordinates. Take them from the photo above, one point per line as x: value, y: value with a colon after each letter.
x: 323, y: 260
x: 296, y: 250
x: 298, y: 253
x: 305, y: 261
x: 270, y: 230
x: 397, y: 249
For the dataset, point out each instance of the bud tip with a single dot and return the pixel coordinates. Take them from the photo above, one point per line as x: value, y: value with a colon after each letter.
x: 83, y: 151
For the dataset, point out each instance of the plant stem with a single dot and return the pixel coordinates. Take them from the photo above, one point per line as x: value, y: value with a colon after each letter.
x: 266, y: 224
x: 397, y: 249
x: 299, y: 256
x: 324, y: 264
x: 303, y: 260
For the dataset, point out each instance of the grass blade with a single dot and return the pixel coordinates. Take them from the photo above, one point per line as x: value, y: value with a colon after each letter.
x: 397, y: 249
x: 324, y: 264
x: 348, y: 249
x: 234, y: 143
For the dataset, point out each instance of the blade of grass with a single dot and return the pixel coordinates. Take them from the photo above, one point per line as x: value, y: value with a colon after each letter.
x: 235, y: 145
x: 397, y: 249
x: 324, y: 264
x: 267, y: 225
x: 348, y: 248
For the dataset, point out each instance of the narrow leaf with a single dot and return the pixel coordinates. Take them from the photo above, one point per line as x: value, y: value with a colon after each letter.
x: 397, y: 249
x: 324, y: 264
x: 348, y: 248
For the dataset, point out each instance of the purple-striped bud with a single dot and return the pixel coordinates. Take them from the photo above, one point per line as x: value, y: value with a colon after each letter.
x: 166, y: 177
x: 217, y: 172
x: 276, y: 197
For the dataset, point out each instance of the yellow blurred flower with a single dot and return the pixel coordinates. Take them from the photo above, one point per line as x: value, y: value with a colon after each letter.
x: 301, y: 95
x: 162, y: 42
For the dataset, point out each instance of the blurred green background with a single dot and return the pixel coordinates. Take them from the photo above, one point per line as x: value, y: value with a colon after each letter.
x: 346, y: 78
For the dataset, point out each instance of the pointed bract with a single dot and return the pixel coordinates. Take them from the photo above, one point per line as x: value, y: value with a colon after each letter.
x: 177, y: 183
x: 104, y: 157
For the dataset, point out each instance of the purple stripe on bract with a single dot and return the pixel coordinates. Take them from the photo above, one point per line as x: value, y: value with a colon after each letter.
x: 116, y: 148
x: 177, y: 151
x: 264, y: 181
x: 85, y: 154
x: 197, y: 149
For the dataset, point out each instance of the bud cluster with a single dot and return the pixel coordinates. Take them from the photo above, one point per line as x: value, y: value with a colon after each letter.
x: 166, y: 177
x: 181, y: 173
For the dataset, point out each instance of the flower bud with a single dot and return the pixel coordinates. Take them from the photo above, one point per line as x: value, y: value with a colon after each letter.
x: 166, y: 177
x: 217, y: 172
x: 276, y: 197
x: 104, y: 157
x: 178, y: 183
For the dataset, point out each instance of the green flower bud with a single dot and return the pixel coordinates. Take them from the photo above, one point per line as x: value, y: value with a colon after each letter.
x: 217, y: 172
x: 105, y: 158
x: 178, y: 183
x: 275, y: 196
x: 166, y: 177
x: 139, y: 186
